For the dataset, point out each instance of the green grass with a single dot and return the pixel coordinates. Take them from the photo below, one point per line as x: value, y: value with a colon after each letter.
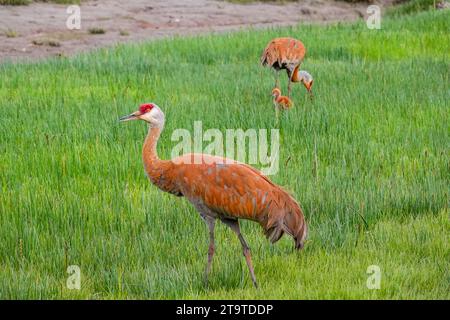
x: 9, y: 33
x: 374, y: 144
x: 15, y: 2
x: 96, y: 30
x: 412, y: 6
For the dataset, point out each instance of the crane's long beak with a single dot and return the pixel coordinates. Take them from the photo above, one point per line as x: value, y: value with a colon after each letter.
x: 309, y: 89
x: 132, y: 116
x: 308, y: 86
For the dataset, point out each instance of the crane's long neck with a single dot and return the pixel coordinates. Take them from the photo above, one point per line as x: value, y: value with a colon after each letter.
x: 295, y: 76
x: 149, y: 151
x: 158, y: 171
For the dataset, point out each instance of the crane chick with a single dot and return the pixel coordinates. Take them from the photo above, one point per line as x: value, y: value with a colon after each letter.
x: 281, y: 102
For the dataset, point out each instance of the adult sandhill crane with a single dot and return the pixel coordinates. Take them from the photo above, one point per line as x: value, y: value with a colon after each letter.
x: 222, y: 189
x: 288, y: 54
x: 280, y: 102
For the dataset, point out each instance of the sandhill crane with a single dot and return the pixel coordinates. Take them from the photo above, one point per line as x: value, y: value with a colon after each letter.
x: 221, y: 189
x: 288, y: 54
x: 280, y: 102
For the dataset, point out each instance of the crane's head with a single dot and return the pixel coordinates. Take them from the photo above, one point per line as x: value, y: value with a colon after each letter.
x: 148, y: 112
x: 276, y: 92
x: 306, y: 79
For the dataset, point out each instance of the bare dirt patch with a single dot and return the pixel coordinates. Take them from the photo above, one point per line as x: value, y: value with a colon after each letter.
x: 25, y: 30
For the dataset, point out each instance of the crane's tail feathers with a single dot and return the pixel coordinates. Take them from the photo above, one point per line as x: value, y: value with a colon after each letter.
x: 263, y: 59
x: 269, y: 56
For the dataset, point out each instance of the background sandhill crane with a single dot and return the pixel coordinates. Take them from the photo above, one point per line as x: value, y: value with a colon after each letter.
x: 288, y: 54
x: 280, y: 102
x: 222, y: 189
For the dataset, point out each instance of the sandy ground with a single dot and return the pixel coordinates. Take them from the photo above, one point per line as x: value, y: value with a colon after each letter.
x: 39, y: 30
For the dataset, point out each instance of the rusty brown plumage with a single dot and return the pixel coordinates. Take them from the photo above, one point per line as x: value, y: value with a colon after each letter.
x: 287, y: 54
x: 223, y: 189
x: 283, y: 52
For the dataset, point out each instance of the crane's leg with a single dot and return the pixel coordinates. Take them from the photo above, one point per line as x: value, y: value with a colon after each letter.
x: 277, y: 115
x: 234, y: 225
x: 277, y: 78
x: 289, y: 88
x: 290, y: 75
x: 211, y: 223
